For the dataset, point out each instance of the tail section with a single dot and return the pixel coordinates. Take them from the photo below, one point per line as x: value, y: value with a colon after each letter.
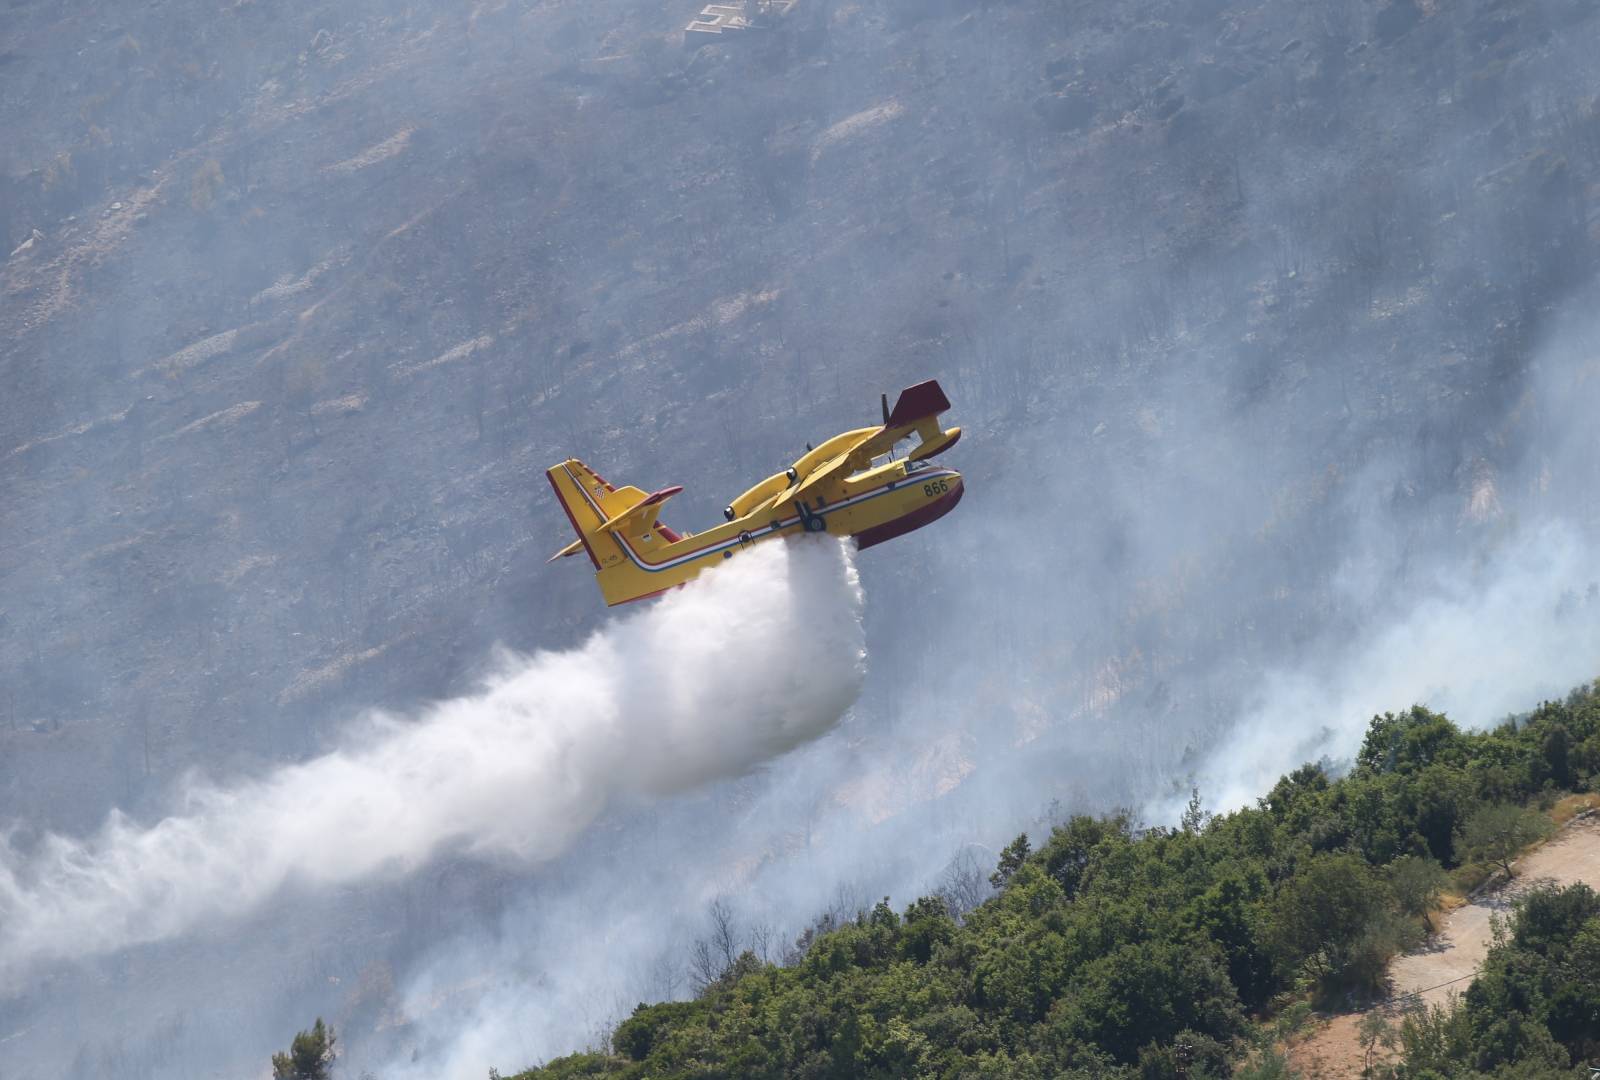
x: 919, y: 402
x: 580, y: 491
x: 615, y: 526
x: 918, y: 409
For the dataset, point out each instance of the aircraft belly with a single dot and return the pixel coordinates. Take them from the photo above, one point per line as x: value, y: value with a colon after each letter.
x: 925, y: 514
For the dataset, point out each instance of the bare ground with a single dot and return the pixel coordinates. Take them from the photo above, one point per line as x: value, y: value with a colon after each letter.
x: 1445, y: 966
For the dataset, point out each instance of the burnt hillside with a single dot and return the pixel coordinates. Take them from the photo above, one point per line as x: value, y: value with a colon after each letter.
x: 302, y: 298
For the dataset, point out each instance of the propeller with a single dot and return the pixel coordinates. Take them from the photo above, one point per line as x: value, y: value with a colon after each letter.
x: 885, y: 399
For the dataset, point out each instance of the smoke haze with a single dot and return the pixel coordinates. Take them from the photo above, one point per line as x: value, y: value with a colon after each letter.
x: 1270, y: 328
x: 1485, y: 643
x: 716, y: 679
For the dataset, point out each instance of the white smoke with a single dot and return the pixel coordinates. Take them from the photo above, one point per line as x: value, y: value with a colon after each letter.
x: 1485, y: 641
x: 711, y: 681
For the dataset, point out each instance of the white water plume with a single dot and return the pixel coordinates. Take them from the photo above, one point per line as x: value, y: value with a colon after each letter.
x: 711, y: 681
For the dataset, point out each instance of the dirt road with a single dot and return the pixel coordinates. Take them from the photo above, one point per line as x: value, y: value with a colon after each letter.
x: 1446, y: 965
x: 1449, y: 961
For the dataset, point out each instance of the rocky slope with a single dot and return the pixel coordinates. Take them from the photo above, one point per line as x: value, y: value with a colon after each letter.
x: 300, y: 300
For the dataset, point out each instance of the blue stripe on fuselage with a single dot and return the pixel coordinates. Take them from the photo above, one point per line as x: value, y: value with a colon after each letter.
x: 755, y: 534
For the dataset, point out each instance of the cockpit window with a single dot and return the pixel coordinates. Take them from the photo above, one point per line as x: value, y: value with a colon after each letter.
x: 889, y: 458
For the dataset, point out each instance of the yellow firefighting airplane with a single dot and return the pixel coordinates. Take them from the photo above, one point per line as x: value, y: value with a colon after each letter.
x: 851, y: 485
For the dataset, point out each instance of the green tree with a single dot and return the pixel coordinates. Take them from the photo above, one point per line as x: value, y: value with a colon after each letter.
x: 1409, y: 741
x: 928, y: 925
x: 1550, y: 919
x: 1374, y: 1031
x: 1069, y: 854
x: 1319, y: 916
x: 310, y: 1056
x: 1585, y: 759
x: 1434, y: 1040
x: 1517, y: 1038
x: 1145, y: 992
x: 1227, y: 914
x: 1304, y: 784
x: 1441, y: 798
x: 1554, y: 754
x: 1011, y: 860
x: 1497, y: 833
x: 1415, y: 881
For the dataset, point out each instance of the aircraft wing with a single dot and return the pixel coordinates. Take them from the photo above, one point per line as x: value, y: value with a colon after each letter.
x: 915, y: 411
x: 818, y: 476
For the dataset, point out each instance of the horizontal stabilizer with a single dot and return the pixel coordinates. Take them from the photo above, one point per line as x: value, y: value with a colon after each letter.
x: 644, y: 512
x: 571, y: 549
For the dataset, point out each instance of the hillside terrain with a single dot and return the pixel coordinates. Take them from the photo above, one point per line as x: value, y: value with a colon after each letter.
x: 1113, y: 951
x: 304, y: 272
x: 1269, y: 325
x: 1443, y: 969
